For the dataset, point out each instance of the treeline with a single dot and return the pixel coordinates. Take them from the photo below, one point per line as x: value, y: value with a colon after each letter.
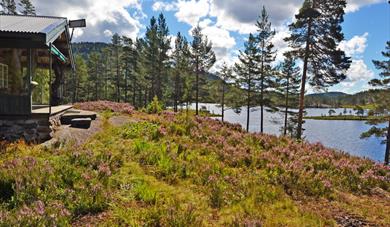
x: 136, y: 71
x: 339, y: 99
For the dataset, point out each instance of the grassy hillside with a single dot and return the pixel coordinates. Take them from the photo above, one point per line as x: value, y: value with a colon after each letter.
x: 177, y: 170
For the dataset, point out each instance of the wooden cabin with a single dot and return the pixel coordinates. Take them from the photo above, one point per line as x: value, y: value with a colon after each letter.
x: 29, y: 44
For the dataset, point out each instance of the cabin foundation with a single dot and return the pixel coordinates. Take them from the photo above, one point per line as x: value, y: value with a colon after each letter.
x: 37, y: 127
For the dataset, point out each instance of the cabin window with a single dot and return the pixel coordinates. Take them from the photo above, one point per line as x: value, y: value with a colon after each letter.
x: 14, y: 72
x: 3, y: 76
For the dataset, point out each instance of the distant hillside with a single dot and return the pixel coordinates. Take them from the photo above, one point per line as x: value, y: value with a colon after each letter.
x: 340, y: 99
x: 86, y: 48
x: 328, y: 95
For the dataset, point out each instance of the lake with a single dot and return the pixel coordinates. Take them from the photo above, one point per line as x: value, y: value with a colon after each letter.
x: 340, y: 135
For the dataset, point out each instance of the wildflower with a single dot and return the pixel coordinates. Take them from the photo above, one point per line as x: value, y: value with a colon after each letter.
x: 87, y: 176
x: 39, y: 207
x: 104, y: 169
x: 162, y: 130
x: 327, y: 183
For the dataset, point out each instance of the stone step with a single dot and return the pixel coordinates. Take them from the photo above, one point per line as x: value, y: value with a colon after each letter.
x: 81, y: 123
x: 67, y: 117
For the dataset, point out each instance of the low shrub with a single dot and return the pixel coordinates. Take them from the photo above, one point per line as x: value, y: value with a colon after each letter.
x: 102, y: 106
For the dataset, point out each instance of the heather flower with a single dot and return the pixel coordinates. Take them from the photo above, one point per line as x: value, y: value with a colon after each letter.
x: 327, y: 183
x: 25, y: 211
x: 162, y: 130
x: 87, y: 176
x: 106, y: 105
x: 39, y: 207
x: 104, y: 169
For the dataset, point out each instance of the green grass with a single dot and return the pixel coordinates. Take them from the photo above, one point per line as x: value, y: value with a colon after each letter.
x: 177, y: 170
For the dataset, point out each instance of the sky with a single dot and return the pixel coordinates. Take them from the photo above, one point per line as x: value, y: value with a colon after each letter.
x: 227, y: 24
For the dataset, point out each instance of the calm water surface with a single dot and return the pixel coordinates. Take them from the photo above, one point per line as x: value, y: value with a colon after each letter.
x: 341, y: 135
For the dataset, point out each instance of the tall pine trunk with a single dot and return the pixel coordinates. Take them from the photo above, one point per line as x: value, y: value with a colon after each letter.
x: 262, y: 98
x: 286, y: 111
x: 223, y: 101
x: 387, y: 154
x: 126, y: 85
x: 134, y: 92
x: 139, y: 98
x: 303, y: 86
x: 118, y: 98
x: 176, y: 95
x: 248, y: 106
x: 96, y: 82
x: 197, y: 87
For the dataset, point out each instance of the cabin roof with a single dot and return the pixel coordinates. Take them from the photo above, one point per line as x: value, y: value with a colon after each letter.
x: 37, y: 32
x: 51, y: 27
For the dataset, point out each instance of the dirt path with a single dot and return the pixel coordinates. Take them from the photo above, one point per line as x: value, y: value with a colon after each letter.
x: 79, y: 136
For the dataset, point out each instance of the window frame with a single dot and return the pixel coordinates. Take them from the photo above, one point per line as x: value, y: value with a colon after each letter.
x: 3, y: 76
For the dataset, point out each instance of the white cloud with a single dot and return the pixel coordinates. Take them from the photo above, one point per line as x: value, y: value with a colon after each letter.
x: 163, y: 6
x: 101, y: 16
x: 281, y: 46
x: 355, y: 46
x: 359, y: 71
x: 355, y: 5
x: 221, y: 39
x: 108, y: 33
x: 192, y: 11
x: 241, y: 17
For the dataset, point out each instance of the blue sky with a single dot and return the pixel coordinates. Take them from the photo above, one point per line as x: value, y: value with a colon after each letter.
x: 227, y: 24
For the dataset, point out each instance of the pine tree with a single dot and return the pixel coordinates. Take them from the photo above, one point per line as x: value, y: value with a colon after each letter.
x: 382, y: 103
x: 94, y: 76
x: 247, y: 71
x: 181, y: 62
x: 107, y: 68
x: 289, y: 83
x: 266, y: 57
x: 203, y: 59
x: 164, y: 42
x: 8, y: 7
x: 226, y: 76
x: 140, y: 71
x: 315, y: 36
x: 81, y: 78
x: 117, y: 45
x: 27, y: 7
x: 128, y: 60
x: 151, y: 58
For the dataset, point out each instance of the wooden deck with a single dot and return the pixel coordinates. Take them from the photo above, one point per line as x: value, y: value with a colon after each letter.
x: 54, y: 110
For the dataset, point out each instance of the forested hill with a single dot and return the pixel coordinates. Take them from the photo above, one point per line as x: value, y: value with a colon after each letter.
x: 86, y: 48
x: 328, y: 95
x: 340, y: 99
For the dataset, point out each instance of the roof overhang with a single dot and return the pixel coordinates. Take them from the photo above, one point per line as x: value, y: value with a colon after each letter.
x: 37, y: 32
